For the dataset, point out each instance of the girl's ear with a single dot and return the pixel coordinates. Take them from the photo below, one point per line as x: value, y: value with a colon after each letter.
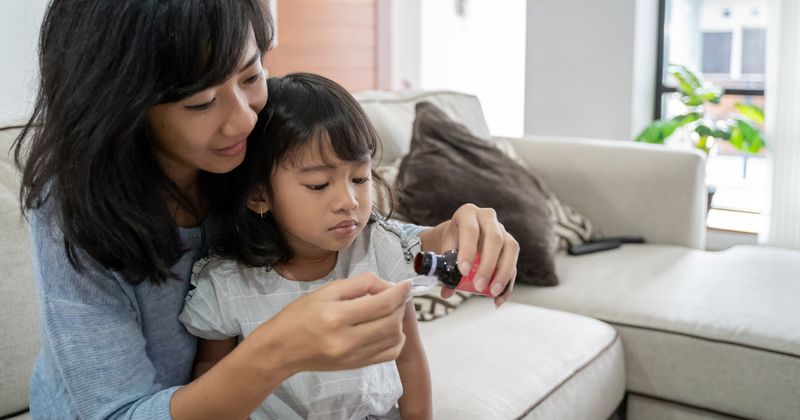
x: 258, y: 201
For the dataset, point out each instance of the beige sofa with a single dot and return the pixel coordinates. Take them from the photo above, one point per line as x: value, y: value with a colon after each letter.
x: 518, y: 362
x: 705, y: 335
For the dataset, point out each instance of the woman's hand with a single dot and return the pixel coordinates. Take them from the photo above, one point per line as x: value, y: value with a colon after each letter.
x: 345, y: 324
x: 471, y: 228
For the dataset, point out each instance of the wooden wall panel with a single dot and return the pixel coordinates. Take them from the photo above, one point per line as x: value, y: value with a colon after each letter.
x: 335, y: 38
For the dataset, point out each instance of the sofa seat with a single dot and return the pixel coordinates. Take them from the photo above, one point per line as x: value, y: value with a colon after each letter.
x: 718, y: 331
x: 530, y: 363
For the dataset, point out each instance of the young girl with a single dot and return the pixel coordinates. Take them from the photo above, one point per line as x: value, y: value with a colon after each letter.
x: 303, y: 216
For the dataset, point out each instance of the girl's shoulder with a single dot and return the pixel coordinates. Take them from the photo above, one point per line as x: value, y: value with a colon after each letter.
x: 215, y: 268
x: 392, y: 236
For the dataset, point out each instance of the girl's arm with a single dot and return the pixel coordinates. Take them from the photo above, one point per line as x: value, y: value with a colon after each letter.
x: 416, y: 402
x: 209, y: 352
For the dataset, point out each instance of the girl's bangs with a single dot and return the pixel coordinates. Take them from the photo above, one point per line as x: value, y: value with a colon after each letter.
x: 350, y: 139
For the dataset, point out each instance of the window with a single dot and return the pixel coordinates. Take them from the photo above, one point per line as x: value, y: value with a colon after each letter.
x: 723, y: 40
x: 716, y: 52
x: 754, y: 43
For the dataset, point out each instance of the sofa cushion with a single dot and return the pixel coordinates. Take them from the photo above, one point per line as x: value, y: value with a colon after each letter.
x: 571, y: 366
x: 448, y: 166
x: 392, y: 114
x: 641, y: 407
x: 18, y: 319
x: 712, y: 330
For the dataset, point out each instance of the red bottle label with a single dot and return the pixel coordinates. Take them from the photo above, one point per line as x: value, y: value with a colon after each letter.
x: 467, y: 282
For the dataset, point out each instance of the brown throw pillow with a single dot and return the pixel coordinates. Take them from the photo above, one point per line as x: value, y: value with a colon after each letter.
x: 447, y: 166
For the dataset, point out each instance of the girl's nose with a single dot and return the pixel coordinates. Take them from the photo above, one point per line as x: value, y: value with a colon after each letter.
x: 346, y: 199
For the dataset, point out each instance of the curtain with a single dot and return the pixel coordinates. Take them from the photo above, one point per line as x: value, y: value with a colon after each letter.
x: 782, y: 111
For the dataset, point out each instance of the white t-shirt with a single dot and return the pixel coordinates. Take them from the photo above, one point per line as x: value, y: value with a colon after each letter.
x: 231, y: 299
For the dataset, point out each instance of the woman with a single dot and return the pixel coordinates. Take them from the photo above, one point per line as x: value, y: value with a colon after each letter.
x: 142, y: 106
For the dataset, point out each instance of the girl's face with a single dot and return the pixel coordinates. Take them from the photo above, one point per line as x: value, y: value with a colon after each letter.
x: 208, y: 130
x: 320, y: 202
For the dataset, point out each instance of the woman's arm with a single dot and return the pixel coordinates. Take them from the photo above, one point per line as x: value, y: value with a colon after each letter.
x: 328, y: 329
x: 416, y: 402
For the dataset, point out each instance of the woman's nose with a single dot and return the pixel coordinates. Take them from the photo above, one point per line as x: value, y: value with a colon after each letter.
x: 241, y: 119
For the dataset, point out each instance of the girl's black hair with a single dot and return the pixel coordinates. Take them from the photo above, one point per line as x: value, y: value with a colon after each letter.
x: 303, y: 110
x: 88, y: 147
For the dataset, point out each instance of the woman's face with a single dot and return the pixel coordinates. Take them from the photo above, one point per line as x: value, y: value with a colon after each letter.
x: 208, y: 130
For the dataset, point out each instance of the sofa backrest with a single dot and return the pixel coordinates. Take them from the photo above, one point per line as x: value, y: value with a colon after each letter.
x: 392, y: 114
x: 19, y: 335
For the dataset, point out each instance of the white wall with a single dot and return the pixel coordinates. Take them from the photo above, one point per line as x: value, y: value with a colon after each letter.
x: 405, y: 36
x: 19, y: 33
x: 590, y: 67
x: 480, y: 52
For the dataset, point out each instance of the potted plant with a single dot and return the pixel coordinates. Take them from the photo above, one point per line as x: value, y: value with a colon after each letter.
x: 739, y: 127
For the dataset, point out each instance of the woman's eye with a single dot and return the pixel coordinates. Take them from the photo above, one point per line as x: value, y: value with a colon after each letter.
x: 254, y: 78
x: 200, y: 107
x: 317, y: 187
x: 361, y: 180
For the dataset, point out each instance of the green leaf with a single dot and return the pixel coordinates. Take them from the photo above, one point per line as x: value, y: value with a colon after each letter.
x: 692, y: 77
x: 681, y: 120
x: 657, y: 132
x: 687, y: 81
x: 702, y: 144
x: 716, y: 131
x: 694, y: 91
x: 692, y: 100
x: 736, y: 138
x: 719, y: 133
x: 703, y: 130
x: 753, y: 112
x: 746, y: 138
x: 713, y: 93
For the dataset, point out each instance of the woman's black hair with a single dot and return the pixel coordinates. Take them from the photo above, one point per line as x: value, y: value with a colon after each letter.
x: 303, y: 110
x: 88, y: 146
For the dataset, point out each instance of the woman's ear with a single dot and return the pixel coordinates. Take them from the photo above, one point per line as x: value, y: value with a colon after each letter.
x: 258, y: 201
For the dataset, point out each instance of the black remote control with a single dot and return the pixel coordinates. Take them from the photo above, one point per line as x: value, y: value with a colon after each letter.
x: 624, y: 239
x: 596, y: 246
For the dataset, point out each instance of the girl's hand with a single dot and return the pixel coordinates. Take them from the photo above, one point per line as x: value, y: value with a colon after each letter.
x: 345, y: 324
x: 471, y: 228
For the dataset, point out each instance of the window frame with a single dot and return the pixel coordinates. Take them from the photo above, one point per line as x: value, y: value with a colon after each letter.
x: 661, y: 88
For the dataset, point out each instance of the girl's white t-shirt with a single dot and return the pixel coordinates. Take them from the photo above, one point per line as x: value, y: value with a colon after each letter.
x: 231, y: 299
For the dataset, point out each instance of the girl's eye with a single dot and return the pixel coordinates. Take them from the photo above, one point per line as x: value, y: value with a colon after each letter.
x: 317, y: 187
x: 361, y: 180
x: 200, y: 107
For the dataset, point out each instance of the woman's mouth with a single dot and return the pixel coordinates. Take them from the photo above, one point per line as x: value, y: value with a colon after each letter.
x: 232, y: 150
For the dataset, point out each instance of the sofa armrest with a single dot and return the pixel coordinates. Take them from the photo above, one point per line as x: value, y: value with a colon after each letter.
x: 625, y: 188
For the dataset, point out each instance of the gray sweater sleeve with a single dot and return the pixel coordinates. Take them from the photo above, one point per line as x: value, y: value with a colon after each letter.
x: 94, y: 361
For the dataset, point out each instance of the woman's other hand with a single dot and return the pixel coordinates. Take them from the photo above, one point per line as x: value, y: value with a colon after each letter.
x: 472, y: 228
x: 346, y: 324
